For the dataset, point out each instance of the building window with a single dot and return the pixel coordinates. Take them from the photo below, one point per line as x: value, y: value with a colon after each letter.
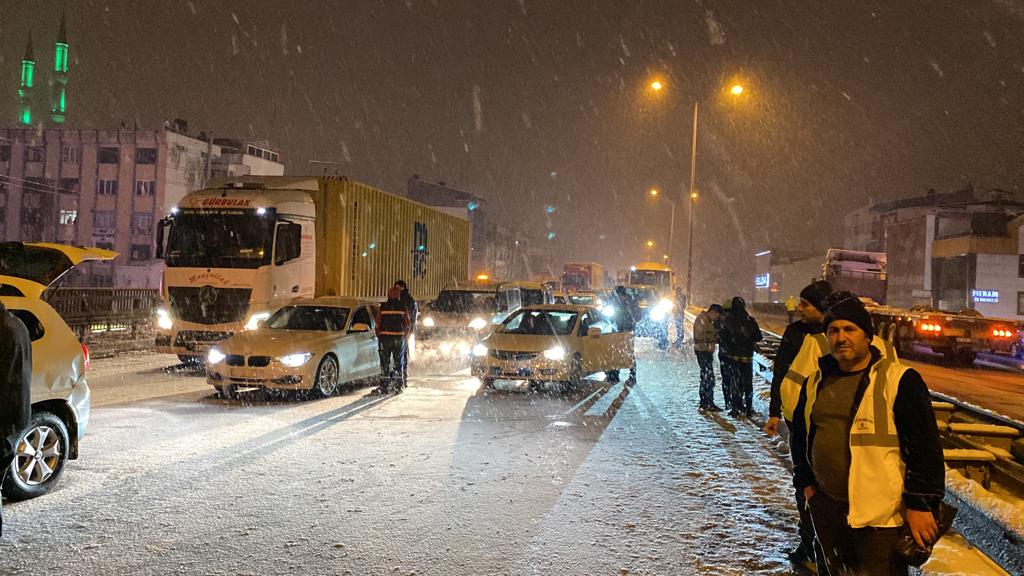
x: 145, y: 187
x: 104, y: 245
x: 1020, y: 303
x: 108, y: 155
x: 145, y: 156
x: 35, y: 154
x: 71, y: 153
x: 140, y: 252
x: 68, y: 186
x: 67, y: 217
x: 106, y: 187
x: 1020, y: 267
x: 142, y: 221
x: 104, y: 219
x: 5, y: 153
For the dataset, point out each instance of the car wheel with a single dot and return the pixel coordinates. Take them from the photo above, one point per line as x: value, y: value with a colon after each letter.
x: 487, y: 382
x: 326, y: 381
x: 39, y: 458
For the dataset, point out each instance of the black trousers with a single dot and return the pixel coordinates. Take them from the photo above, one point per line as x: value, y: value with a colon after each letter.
x: 805, y: 527
x: 6, y: 457
x: 680, y: 329
x: 846, y: 551
x: 742, y: 381
x: 706, y: 361
x: 392, y: 349
x: 726, y: 366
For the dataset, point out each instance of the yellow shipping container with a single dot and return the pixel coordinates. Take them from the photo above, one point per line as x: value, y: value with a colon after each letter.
x: 366, y: 239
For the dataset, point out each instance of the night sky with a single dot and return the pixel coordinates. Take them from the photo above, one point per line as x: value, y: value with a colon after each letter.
x: 532, y: 103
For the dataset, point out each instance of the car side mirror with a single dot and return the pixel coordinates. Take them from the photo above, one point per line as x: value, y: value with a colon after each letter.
x: 593, y: 331
x: 359, y: 327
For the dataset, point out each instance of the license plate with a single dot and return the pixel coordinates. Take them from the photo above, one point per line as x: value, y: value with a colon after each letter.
x: 963, y: 340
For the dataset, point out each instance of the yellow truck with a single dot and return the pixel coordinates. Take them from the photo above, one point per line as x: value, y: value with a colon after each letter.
x: 244, y: 246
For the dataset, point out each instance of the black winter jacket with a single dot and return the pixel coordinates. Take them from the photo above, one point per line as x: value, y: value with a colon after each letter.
x: 15, y: 375
x: 789, y: 347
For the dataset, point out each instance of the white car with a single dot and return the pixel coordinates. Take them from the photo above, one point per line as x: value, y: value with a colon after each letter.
x: 60, y: 394
x: 459, y: 312
x: 553, y: 343
x: 313, y: 344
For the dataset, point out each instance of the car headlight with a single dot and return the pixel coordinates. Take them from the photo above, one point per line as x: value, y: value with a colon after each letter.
x: 479, y: 350
x: 295, y: 360
x: 428, y: 322
x: 478, y: 323
x: 661, y: 309
x: 214, y: 356
x: 556, y: 353
x: 254, y: 320
x: 608, y: 311
x: 163, y: 319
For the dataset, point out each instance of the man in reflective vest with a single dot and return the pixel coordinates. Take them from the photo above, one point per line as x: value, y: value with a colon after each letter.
x: 803, y: 339
x: 393, y: 328
x: 866, y: 451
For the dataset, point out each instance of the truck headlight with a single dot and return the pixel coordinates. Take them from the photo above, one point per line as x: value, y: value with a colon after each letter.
x: 478, y: 323
x: 428, y: 322
x: 556, y: 353
x: 254, y: 320
x: 163, y: 319
x: 479, y: 350
x: 214, y: 356
x: 295, y: 360
x: 661, y: 310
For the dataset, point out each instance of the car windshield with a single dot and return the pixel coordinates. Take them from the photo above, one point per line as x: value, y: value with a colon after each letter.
x: 540, y: 323
x: 219, y: 239
x: 464, y: 301
x: 321, y: 318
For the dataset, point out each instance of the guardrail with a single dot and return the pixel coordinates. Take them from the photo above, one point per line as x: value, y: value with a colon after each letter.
x: 108, y: 320
x: 981, y: 519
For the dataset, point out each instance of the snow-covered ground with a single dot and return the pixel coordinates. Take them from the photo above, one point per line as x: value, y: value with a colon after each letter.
x: 443, y: 479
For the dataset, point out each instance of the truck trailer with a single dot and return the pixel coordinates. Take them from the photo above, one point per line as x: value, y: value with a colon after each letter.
x: 242, y: 247
x: 583, y: 277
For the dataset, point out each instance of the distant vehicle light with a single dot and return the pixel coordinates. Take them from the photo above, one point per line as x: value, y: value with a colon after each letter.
x: 608, y: 311
x: 478, y: 323
x: 930, y: 327
x: 261, y: 211
x: 479, y: 350
x: 1002, y: 333
x: 254, y: 320
x: 295, y: 360
x: 163, y: 319
x: 428, y: 322
x: 661, y: 309
x: 556, y: 353
x: 482, y: 277
x: 86, y: 357
x: 214, y: 356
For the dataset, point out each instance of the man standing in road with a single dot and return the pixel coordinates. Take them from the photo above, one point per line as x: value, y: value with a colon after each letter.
x: 393, y: 329
x: 414, y: 311
x: 740, y: 333
x: 679, y: 314
x: 15, y: 389
x: 723, y: 356
x: 787, y: 378
x: 791, y: 308
x: 866, y: 451
x: 705, y: 336
x: 626, y: 315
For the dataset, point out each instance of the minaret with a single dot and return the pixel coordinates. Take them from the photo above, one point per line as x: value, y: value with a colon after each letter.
x: 28, y: 70
x: 58, y: 99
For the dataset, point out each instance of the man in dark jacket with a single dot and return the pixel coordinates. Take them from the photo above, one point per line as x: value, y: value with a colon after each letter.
x: 812, y: 313
x: 866, y: 451
x: 739, y: 334
x: 679, y: 315
x: 393, y: 329
x: 626, y: 315
x: 15, y: 389
x: 413, y: 308
x: 723, y: 356
x: 705, y: 337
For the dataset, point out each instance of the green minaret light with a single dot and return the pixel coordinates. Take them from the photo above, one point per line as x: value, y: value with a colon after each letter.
x: 58, y: 100
x: 28, y: 69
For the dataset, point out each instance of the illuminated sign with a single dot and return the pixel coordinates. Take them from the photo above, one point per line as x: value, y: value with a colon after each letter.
x: 985, y: 296
x: 762, y: 280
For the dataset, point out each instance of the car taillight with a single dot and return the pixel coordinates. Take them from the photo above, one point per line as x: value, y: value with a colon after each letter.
x: 930, y: 327
x: 85, y: 354
x: 1002, y: 333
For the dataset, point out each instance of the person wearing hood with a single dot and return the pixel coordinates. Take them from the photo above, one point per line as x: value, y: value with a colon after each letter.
x: 723, y: 355
x: 866, y: 451
x: 413, y: 308
x: 740, y: 333
x: 15, y: 389
x: 807, y: 332
x: 393, y: 329
x: 705, y: 337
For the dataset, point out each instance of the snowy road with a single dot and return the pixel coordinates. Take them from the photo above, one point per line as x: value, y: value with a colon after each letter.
x: 444, y: 479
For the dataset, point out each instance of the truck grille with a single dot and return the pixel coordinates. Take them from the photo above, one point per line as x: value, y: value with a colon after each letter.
x: 510, y: 355
x: 209, y: 305
x: 186, y: 336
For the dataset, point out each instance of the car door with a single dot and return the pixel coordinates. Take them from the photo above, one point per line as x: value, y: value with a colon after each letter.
x: 367, y: 361
x: 595, y: 353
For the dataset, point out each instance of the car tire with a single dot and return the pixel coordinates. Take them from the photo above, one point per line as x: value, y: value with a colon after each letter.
x: 488, y: 383
x: 41, y: 452
x: 325, y: 383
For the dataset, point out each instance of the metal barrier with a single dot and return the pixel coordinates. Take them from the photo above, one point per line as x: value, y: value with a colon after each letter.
x: 107, y: 319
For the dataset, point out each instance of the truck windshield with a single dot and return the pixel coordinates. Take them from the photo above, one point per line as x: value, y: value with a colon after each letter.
x: 219, y: 239
x: 659, y: 278
x: 463, y: 301
x: 321, y: 318
x: 643, y: 296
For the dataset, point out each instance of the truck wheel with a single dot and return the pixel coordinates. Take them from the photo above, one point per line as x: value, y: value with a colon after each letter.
x: 190, y: 360
x: 39, y: 458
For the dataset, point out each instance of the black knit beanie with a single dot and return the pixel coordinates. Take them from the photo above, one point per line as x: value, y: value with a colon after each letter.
x: 846, y: 306
x: 816, y: 292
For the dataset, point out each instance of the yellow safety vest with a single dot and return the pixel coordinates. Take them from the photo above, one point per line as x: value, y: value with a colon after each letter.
x: 876, y: 467
x: 806, y: 363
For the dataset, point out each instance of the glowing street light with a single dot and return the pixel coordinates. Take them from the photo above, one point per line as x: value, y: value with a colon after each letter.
x: 650, y: 243
x: 657, y: 85
x: 736, y: 90
x: 654, y: 191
